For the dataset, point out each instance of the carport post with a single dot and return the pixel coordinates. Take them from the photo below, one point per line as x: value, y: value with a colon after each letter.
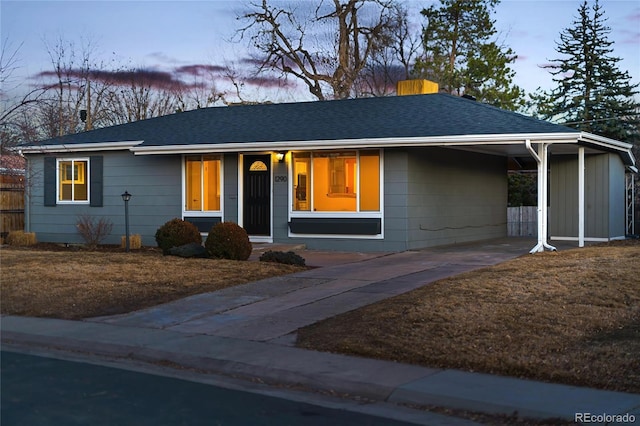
x: 541, y: 158
x: 581, y: 196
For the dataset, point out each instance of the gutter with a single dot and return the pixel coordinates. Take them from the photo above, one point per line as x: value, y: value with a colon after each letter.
x: 80, y: 147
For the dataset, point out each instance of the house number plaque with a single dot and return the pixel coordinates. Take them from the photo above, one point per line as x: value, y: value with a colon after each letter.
x: 280, y: 178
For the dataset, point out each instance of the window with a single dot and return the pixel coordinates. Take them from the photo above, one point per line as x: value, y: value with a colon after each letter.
x: 202, y: 182
x: 338, y: 181
x: 73, y: 182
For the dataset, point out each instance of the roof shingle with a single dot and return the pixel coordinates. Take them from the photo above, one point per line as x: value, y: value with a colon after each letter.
x: 365, y: 118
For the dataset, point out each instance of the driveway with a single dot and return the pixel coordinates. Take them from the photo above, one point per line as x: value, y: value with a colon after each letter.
x: 271, y: 310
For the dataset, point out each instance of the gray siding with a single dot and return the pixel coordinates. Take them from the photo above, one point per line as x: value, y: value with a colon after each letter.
x: 154, y: 182
x: 563, y: 196
x: 616, y: 197
x: 604, y: 196
x: 434, y: 196
x: 230, y: 188
x: 280, y: 200
x: 455, y: 196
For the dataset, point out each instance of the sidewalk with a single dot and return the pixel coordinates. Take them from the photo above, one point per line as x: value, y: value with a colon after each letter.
x: 248, y: 331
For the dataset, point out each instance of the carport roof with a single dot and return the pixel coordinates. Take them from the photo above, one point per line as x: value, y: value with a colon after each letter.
x: 433, y: 119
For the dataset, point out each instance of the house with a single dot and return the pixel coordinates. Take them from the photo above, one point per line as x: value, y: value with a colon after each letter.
x: 372, y: 174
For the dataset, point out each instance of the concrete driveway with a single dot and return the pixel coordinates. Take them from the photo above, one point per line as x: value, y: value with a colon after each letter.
x: 271, y: 310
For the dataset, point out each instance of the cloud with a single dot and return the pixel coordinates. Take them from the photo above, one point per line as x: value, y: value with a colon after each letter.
x: 268, y: 82
x: 198, y: 70
x: 139, y: 77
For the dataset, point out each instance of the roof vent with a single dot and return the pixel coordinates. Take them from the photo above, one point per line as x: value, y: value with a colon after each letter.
x: 472, y: 98
x: 416, y: 87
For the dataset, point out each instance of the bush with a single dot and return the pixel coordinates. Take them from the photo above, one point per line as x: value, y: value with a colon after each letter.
x: 228, y: 240
x: 92, y: 230
x: 21, y: 238
x: 175, y: 233
x: 288, y: 258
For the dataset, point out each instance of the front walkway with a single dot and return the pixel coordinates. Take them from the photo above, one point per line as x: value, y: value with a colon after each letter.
x: 273, y: 309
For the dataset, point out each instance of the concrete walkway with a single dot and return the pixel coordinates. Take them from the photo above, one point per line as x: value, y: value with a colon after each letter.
x: 248, y: 331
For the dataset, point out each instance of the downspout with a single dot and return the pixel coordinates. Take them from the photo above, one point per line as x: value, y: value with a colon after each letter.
x: 541, y: 159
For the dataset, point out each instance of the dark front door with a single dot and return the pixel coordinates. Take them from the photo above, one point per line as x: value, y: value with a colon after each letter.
x: 257, y: 194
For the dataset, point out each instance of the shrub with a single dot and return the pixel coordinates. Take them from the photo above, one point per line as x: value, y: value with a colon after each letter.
x: 175, y: 233
x: 288, y: 258
x: 93, y: 231
x: 21, y: 238
x: 228, y: 240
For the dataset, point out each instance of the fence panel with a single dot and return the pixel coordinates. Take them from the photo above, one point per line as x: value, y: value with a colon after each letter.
x: 522, y: 221
x: 11, y: 207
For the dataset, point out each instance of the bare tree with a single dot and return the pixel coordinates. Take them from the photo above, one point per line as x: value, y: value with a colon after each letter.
x: 328, y: 51
x: 14, y: 128
x: 394, y: 60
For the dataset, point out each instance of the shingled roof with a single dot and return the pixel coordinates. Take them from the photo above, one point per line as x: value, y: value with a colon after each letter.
x: 365, y: 118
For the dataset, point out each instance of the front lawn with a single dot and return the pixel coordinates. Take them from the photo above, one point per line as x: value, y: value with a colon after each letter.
x: 75, y: 284
x: 570, y: 317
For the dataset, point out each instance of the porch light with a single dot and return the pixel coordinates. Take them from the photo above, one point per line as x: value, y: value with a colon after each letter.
x: 126, y: 197
x: 280, y: 156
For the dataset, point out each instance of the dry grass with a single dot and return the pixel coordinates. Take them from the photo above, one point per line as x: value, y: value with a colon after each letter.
x: 81, y: 284
x: 571, y: 317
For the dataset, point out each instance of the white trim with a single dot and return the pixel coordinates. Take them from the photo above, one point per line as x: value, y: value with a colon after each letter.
x: 202, y: 213
x: 81, y: 147
x: 87, y: 178
x: 255, y: 238
x: 592, y: 239
x: 452, y: 140
x: 339, y: 236
x: 581, y: 199
x: 260, y: 239
x: 294, y: 214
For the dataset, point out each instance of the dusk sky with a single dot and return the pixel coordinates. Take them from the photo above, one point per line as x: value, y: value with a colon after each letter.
x: 170, y: 35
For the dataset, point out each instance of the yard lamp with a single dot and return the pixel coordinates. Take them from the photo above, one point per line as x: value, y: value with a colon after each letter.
x: 126, y: 197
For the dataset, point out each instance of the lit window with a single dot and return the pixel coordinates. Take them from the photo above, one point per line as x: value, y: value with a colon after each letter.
x: 202, y: 183
x: 339, y: 181
x: 73, y: 184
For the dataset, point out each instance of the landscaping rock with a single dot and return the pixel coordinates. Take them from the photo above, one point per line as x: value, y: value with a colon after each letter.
x: 189, y: 250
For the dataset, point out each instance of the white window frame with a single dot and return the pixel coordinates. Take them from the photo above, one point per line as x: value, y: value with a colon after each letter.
x: 338, y: 214
x: 202, y: 213
x: 87, y: 178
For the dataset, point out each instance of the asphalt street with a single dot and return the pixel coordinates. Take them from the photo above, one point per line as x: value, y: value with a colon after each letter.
x: 41, y: 391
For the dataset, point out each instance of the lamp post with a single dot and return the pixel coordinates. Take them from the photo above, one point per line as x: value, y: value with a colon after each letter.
x: 126, y: 197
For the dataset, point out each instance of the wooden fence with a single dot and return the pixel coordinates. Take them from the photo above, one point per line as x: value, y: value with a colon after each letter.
x: 522, y: 221
x: 11, y: 207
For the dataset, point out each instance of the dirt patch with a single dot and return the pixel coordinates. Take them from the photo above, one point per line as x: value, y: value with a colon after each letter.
x: 570, y: 317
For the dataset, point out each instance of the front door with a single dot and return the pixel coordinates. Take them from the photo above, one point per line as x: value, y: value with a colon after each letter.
x: 256, y: 219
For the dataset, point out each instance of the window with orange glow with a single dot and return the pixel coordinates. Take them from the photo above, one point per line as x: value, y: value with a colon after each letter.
x: 73, y: 184
x: 338, y: 181
x: 202, y: 183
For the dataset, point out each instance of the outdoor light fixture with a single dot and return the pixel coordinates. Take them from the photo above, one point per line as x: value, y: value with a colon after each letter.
x: 126, y: 197
x: 280, y: 156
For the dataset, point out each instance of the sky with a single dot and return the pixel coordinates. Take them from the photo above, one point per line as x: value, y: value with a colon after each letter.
x: 189, y: 36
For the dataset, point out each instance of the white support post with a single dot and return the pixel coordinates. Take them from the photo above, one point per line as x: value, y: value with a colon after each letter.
x: 581, y: 196
x: 542, y: 160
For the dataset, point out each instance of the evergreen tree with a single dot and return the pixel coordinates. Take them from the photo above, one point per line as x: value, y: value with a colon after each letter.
x: 462, y: 55
x: 592, y: 93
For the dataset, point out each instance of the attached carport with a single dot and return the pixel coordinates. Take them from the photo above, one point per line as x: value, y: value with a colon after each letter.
x: 576, y: 147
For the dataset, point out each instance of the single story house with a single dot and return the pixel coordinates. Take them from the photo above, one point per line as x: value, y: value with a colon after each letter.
x: 369, y: 174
